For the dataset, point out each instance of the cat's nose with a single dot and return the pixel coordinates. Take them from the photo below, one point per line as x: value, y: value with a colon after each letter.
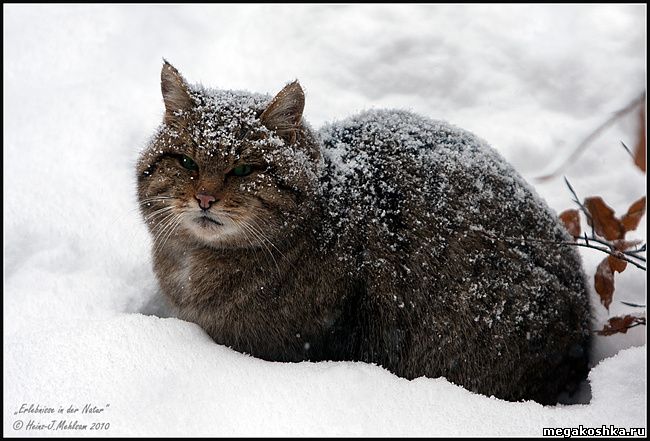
x: 205, y: 200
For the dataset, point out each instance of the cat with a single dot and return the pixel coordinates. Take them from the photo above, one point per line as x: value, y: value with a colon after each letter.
x: 384, y: 238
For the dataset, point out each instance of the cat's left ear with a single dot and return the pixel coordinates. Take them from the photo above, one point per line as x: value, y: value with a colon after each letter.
x: 174, y: 90
x: 284, y: 113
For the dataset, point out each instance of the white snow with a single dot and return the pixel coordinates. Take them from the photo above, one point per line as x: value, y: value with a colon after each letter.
x: 81, y: 99
x: 165, y: 377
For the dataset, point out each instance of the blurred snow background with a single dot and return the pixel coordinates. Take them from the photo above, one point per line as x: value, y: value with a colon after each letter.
x: 82, y: 96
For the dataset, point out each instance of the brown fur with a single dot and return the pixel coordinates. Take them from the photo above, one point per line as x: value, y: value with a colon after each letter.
x: 389, y: 267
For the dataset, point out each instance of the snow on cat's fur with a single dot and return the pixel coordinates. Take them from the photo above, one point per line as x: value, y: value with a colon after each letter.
x: 384, y: 238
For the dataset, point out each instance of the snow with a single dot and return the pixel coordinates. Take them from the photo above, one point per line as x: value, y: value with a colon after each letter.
x: 174, y: 381
x: 82, y: 98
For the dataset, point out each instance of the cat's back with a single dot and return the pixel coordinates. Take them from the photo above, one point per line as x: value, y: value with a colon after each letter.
x: 372, y: 138
x: 398, y: 170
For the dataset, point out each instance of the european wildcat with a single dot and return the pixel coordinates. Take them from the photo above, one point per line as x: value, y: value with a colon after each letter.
x: 378, y: 239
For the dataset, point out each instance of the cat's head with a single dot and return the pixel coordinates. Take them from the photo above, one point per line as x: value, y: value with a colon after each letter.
x: 227, y: 169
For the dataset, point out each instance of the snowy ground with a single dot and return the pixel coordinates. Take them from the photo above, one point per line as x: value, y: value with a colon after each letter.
x: 82, y: 96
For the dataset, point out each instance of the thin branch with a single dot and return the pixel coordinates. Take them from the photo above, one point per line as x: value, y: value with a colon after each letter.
x: 633, y: 255
x: 573, y: 192
x: 595, y: 239
x: 627, y: 149
x: 593, y: 135
x: 635, y: 305
x: 576, y: 199
x: 616, y: 254
x: 612, y: 247
x: 609, y: 244
x: 636, y: 251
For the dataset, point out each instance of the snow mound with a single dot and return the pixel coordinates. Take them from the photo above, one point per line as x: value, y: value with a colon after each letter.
x: 165, y: 377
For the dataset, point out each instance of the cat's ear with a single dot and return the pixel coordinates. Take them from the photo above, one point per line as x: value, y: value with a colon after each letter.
x: 175, y: 91
x: 284, y: 113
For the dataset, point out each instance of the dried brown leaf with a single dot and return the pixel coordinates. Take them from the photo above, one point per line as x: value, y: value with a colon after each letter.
x: 571, y: 221
x: 621, y: 324
x: 634, y: 214
x: 604, y: 282
x: 616, y: 264
x: 602, y: 219
x: 640, y: 151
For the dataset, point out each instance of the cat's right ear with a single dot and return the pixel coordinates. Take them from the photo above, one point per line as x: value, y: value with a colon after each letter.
x: 175, y: 91
x: 284, y: 112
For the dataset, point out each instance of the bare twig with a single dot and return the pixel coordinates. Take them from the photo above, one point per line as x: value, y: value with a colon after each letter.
x: 633, y: 254
x: 582, y: 207
x: 617, y: 254
x: 593, y: 135
x: 635, y: 305
x: 636, y: 251
x: 594, y: 239
x: 573, y: 192
x: 612, y: 247
x: 627, y: 149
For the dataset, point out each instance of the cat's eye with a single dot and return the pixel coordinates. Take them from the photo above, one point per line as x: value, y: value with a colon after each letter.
x: 242, y: 170
x: 189, y: 163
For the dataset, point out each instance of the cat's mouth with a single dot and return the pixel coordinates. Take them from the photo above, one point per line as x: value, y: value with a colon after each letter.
x: 211, y: 228
x: 207, y: 221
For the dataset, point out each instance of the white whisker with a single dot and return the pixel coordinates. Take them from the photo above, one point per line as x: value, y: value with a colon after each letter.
x: 163, y: 226
x: 261, y: 239
x: 177, y: 221
x: 259, y: 228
